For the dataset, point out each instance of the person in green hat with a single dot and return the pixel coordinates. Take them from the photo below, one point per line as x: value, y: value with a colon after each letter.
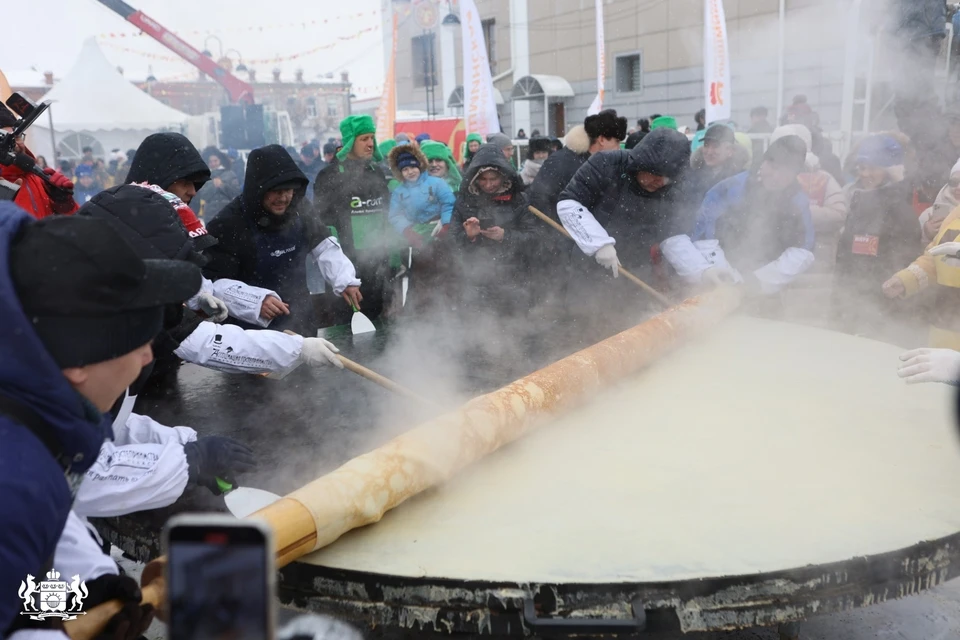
x: 351, y: 197
x: 474, y: 140
x: 668, y: 122
x: 442, y: 164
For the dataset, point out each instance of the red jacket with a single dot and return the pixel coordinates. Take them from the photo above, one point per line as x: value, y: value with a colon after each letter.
x: 33, y: 195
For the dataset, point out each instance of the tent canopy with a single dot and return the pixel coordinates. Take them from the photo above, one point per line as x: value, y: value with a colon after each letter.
x: 455, y: 100
x: 540, y: 86
x: 93, y: 96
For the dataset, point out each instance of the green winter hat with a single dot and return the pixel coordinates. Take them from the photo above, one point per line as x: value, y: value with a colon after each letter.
x: 438, y: 151
x: 387, y: 146
x: 351, y: 128
x: 664, y: 122
x: 474, y: 137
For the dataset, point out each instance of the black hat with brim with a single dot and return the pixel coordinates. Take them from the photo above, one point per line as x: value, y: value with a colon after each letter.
x: 86, y: 292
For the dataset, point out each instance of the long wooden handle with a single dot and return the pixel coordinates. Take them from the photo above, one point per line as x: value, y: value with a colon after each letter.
x: 92, y: 624
x: 662, y: 299
x: 384, y: 382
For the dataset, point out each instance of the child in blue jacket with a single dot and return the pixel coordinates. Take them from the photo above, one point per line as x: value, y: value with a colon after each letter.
x: 420, y: 199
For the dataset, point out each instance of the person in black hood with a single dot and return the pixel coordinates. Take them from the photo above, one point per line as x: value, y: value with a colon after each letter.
x: 171, y: 162
x: 628, y: 199
x: 492, y: 232
x: 351, y: 195
x: 265, y: 235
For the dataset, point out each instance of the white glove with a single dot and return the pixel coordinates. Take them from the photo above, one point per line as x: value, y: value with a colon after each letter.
x: 317, y: 627
x: 949, y: 249
x: 318, y: 352
x: 930, y: 365
x: 606, y: 257
x: 717, y: 276
x: 213, y: 307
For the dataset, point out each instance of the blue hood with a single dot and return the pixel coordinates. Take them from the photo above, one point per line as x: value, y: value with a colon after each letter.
x: 28, y: 374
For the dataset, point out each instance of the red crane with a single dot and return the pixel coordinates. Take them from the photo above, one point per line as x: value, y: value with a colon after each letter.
x: 238, y: 90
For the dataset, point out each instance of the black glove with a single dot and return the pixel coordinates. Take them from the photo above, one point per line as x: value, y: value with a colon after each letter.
x: 212, y: 457
x: 133, y: 619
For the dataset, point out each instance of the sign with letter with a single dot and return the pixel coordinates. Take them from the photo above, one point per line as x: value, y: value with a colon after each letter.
x: 716, y: 62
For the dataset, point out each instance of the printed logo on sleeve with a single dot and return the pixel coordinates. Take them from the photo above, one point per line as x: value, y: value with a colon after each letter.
x: 53, y: 597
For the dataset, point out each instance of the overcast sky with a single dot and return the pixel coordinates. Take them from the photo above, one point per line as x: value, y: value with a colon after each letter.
x: 51, y: 41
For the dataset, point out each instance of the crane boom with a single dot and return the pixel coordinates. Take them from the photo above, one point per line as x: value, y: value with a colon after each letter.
x: 238, y: 90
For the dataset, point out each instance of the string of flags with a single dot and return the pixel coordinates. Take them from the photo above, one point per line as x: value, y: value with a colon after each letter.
x: 258, y: 61
x: 252, y: 28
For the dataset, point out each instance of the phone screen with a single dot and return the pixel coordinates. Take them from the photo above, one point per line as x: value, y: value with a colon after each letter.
x: 218, y: 583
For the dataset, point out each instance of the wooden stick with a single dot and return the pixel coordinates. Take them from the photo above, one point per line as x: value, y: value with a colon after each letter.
x: 92, y: 624
x: 662, y: 299
x: 384, y: 382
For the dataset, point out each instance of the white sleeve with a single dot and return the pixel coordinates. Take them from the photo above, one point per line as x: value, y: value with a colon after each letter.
x: 782, y: 271
x: 691, y: 259
x: 231, y: 349
x: 38, y: 634
x: 79, y: 553
x: 148, y: 472
x: 335, y: 266
x: 193, y: 303
x: 583, y: 227
x: 243, y: 300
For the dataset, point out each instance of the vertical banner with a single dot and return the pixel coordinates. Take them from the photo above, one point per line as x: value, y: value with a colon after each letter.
x: 597, y: 104
x: 387, y: 111
x: 479, y: 107
x: 716, y: 62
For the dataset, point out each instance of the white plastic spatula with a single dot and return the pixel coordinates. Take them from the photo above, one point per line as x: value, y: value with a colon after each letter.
x: 361, y: 323
x: 244, y: 501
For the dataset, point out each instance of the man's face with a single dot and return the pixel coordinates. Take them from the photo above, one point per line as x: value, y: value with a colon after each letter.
x: 508, y: 152
x: 472, y: 146
x: 651, y: 182
x: 490, y: 181
x: 438, y: 168
x: 102, y: 383
x: 871, y: 177
x: 277, y: 201
x: 363, y: 147
x: 776, y: 177
x: 86, y: 181
x: 214, y: 163
x: 328, y: 157
x: 715, y: 153
x: 540, y: 156
x: 608, y: 144
x: 183, y: 189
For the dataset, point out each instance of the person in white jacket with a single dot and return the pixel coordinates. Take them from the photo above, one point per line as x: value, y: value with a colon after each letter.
x: 753, y: 228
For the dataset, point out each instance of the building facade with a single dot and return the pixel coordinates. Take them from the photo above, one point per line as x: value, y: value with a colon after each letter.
x: 544, y: 63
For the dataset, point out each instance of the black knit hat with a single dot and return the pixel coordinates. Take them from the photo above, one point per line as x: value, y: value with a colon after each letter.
x: 539, y: 144
x: 788, y: 151
x: 88, y: 295
x: 606, y: 124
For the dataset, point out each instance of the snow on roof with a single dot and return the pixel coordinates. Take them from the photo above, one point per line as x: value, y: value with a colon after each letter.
x: 25, y: 78
x: 93, y: 96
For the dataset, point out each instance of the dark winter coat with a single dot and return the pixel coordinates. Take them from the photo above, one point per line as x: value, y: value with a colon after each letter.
x: 557, y: 172
x: 637, y: 219
x: 700, y: 180
x: 35, y: 493
x: 244, y: 228
x: 880, y: 237
x: 211, y: 199
x: 352, y: 197
x: 484, y: 263
x: 153, y: 228
x: 164, y: 158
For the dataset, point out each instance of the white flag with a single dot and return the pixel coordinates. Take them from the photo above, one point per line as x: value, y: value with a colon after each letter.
x: 597, y: 105
x: 716, y: 62
x: 479, y: 106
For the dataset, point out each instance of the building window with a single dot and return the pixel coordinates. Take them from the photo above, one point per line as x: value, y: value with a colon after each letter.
x: 424, y: 64
x: 490, y: 38
x: 311, y: 108
x: 630, y: 73
x: 333, y: 107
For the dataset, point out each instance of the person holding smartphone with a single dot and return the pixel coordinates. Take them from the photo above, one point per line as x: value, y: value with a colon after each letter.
x: 81, y: 310
x: 492, y: 232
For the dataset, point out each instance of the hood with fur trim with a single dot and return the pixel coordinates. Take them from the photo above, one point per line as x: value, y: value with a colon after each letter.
x: 577, y: 140
x: 393, y: 158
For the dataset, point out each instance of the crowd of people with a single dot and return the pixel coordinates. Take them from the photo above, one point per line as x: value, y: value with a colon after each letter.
x: 110, y: 281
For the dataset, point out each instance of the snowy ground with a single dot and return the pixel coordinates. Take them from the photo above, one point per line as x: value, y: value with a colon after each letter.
x: 933, y: 615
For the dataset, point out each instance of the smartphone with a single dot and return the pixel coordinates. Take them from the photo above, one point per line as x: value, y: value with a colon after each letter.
x: 220, y: 578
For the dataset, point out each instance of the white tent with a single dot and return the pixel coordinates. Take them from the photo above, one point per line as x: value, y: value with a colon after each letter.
x: 94, y: 105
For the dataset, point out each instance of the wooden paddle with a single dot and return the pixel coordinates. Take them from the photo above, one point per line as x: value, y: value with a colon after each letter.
x: 662, y: 299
